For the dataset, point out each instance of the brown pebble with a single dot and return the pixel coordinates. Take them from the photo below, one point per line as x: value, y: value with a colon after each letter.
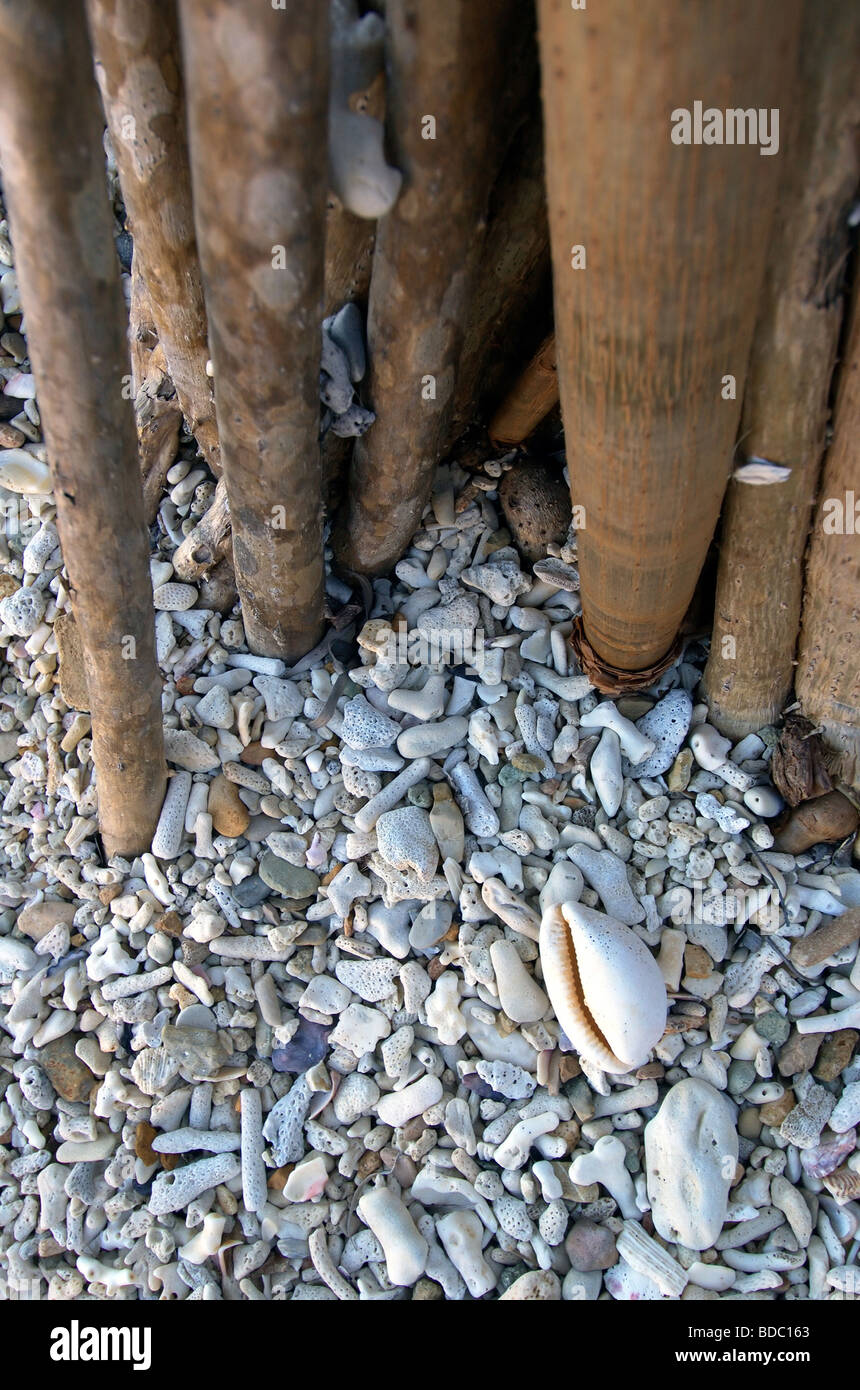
x: 37, y: 919
x: 590, y: 1246
x: 109, y: 892
x: 773, y: 1112
x: 185, y: 685
x: 652, y: 1071
x: 169, y: 922
x: 277, y: 1179
x: 825, y: 820
x: 70, y: 1077
x: 435, y: 968
x: 72, y: 676
x: 834, y: 936
x: 697, y: 963
x: 230, y: 815
x: 8, y: 585
x: 144, y: 1134
x: 568, y: 1130
x: 568, y: 1067
x: 254, y: 753
x: 11, y: 438
x: 836, y: 1053
x: 425, y: 1291
x: 369, y: 1162
x: 181, y: 996
x: 799, y: 1053
x: 170, y: 1161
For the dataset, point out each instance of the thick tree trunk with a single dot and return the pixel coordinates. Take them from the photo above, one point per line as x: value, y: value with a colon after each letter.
x: 828, y: 670
x: 757, y: 612
x: 447, y: 65
x: 54, y: 180
x: 138, y: 65
x: 257, y: 81
x: 658, y: 254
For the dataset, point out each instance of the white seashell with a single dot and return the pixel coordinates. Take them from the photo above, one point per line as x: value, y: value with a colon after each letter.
x: 604, y: 985
x: 647, y: 1256
x: 153, y: 1069
x: 605, y: 772
x: 21, y: 471
x: 761, y: 472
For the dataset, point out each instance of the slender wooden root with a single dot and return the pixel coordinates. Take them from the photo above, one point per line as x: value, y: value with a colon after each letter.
x: 828, y: 670
x: 138, y: 65
x: 257, y: 81
x: 447, y: 60
x: 750, y: 671
x: 53, y: 178
x: 532, y: 398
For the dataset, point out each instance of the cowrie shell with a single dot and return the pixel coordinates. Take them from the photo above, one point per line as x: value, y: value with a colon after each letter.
x: 604, y: 985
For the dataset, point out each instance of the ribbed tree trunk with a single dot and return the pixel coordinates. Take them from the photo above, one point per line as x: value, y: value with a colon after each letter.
x: 54, y: 180
x: 750, y: 671
x: 658, y: 255
x: 447, y: 64
x: 139, y: 69
x: 828, y: 670
x: 257, y: 84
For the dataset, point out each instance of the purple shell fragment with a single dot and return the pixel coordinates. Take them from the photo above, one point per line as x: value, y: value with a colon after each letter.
x: 307, y: 1046
x: 473, y: 1082
x: 826, y: 1157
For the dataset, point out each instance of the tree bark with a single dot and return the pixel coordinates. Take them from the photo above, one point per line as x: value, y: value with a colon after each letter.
x: 750, y: 671
x: 447, y: 63
x: 828, y: 670
x: 532, y: 397
x: 157, y: 412
x: 209, y: 543
x: 257, y: 82
x: 54, y: 180
x: 138, y: 66
x: 511, y: 305
x: 349, y: 240
x: 663, y: 306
